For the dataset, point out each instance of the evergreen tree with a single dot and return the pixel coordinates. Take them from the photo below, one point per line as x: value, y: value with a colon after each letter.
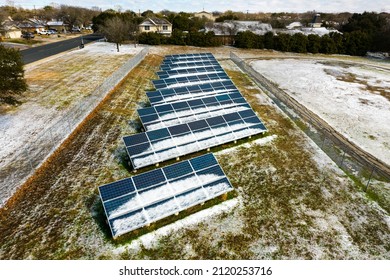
x: 314, y: 43
x: 12, y: 74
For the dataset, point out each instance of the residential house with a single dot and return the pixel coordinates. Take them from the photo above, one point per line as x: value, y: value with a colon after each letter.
x: 60, y: 26
x: 294, y: 25
x: 316, y: 22
x: 158, y: 25
x: 204, y: 14
x: 229, y: 28
x: 10, y: 30
x: 32, y: 25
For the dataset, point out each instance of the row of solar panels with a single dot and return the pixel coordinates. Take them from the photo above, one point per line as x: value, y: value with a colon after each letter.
x: 187, y: 115
x: 143, y: 199
x: 194, y: 91
x: 183, y: 120
x: 190, y: 71
x: 187, y: 55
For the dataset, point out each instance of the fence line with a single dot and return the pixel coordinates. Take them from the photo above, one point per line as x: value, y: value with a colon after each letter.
x: 33, y: 154
x: 332, y: 142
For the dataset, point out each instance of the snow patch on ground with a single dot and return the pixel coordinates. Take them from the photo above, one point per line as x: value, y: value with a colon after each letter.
x: 359, y: 114
x: 260, y: 142
x: 150, y: 240
x: 109, y: 48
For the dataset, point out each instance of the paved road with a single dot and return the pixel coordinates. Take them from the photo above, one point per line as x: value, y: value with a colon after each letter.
x: 37, y: 53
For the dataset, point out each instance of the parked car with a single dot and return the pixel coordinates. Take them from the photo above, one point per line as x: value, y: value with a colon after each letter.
x: 51, y: 32
x: 43, y: 32
x: 28, y: 35
x: 75, y: 29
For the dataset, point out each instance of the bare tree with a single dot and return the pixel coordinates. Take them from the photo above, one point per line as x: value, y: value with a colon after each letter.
x: 116, y: 30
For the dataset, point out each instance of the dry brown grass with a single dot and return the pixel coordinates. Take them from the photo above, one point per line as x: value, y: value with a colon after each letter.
x: 290, y: 207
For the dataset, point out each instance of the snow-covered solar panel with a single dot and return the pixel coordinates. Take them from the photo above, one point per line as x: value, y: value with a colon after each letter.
x: 170, y: 114
x: 186, y: 72
x: 159, y: 145
x: 180, y: 56
x: 188, y: 59
x: 185, y: 65
x: 190, y: 80
x: 190, y: 92
x: 134, y: 202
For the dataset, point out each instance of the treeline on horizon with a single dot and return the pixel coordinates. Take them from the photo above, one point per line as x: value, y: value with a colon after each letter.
x: 362, y: 33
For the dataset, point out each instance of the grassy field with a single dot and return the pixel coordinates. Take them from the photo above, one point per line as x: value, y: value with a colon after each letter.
x: 291, y: 201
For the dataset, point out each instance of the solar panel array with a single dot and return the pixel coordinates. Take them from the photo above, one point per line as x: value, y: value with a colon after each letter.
x: 180, y: 112
x: 190, y: 92
x: 190, y: 79
x: 196, y: 106
x: 186, y: 55
x: 184, y: 65
x: 159, y: 145
x: 142, y: 199
x: 185, y: 120
x: 188, y: 71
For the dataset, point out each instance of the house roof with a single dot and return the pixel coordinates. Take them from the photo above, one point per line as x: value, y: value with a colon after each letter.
x: 9, y: 26
x: 30, y: 24
x: 55, y: 23
x: 295, y: 24
x: 232, y: 27
x: 155, y: 21
x: 317, y: 19
x: 203, y: 12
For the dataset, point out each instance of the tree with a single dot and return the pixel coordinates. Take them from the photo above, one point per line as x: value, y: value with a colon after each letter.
x: 269, y: 40
x: 228, y: 15
x: 314, y: 43
x: 249, y: 40
x: 11, y: 72
x: 282, y: 42
x: 328, y: 46
x: 100, y: 19
x: 117, y: 30
x: 151, y: 38
x: 299, y: 43
x: 177, y: 38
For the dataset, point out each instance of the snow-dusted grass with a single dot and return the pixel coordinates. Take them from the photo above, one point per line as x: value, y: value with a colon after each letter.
x: 54, y: 87
x: 353, y: 99
x: 288, y: 206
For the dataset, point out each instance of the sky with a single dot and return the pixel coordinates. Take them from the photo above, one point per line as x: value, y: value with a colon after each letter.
x: 251, y: 6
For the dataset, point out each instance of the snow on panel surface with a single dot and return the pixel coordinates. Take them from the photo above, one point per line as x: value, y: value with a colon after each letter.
x: 179, y: 145
x: 145, y: 205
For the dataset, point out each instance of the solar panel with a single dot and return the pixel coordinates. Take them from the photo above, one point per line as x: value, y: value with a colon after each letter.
x: 175, y: 141
x: 134, y: 202
x: 188, y: 72
x: 188, y: 59
x: 181, y: 56
x: 190, y: 80
x: 190, y: 92
x: 191, y: 110
x: 186, y: 65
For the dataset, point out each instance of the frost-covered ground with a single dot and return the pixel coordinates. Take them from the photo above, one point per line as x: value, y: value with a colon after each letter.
x: 355, y: 99
x: 55, y: 85
x: 292, y: 201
